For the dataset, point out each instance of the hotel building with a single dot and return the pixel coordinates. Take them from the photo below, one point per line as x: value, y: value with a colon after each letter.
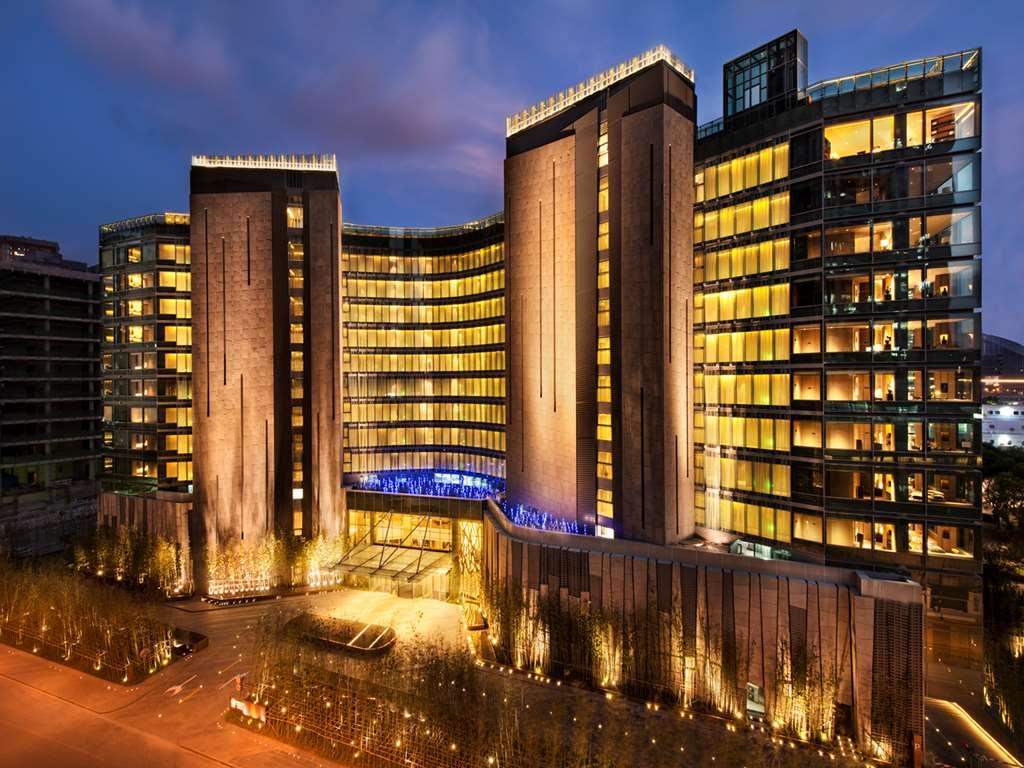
x: 146, y: 373
x: 759, y: 336
x: 837, y: 235
x: 49, y: 398
x: 265, y: 236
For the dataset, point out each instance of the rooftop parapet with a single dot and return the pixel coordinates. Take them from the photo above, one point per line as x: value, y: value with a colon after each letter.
x: 541, y: 111
x: 268, y: 162
x: 150, y: 219
x: 455, y: 229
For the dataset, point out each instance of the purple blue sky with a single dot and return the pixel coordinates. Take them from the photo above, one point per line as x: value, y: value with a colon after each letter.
x: 105, y: 100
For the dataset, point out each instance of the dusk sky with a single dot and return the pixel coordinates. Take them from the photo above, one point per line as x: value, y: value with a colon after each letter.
x: 105, y: 100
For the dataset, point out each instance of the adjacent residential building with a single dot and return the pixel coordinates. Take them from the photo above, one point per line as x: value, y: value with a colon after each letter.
x: 1002, y: 367
x: 147, y: 373
x: 49, y: 396
x: 837, y: 236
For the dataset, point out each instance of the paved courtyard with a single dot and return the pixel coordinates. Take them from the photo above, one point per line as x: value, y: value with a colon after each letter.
x: 52, y: 715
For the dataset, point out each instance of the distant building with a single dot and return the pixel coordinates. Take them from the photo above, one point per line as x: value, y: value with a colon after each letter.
x: 49, y: 397
x: 15, y: 248
x: 1003, y: 423
x: 1002, y: 367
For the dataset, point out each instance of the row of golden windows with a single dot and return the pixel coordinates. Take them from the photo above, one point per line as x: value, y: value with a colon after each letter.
x: 439, y: 337
x: 407, y: 314
x: 455, y: 386
x: 740, y: 173
x: 178, y: 281
x: 937, y: 435
x: 169, y: 253
x: 483, y: 413
x: 742, y: 303
x: 741, y: 389
x: 385, y: 461
x: 178, y: 254
x: 426, y: 363
x: 387, y: 263
x: 177, y: 388
x: 741, y: 432
x: 178, y: 470
x: 884, y: 336
x: 728, y: 473
x: 759, y: 520
x: 423, y: 289
x: 146, y: 361
x: 466, y: 437
x: 774, y: 434
x: 886, y: 132
x: 180, y: 308
x: 180, y: 417
x: 886, y: 536
x: 941, y: 384
x: 741, y: 346
x: 180, y: 444
x: 180, y: 335
x: 176, y: 416
x: 742, y: 261
x: 767, y: 211
x: 605, y: 507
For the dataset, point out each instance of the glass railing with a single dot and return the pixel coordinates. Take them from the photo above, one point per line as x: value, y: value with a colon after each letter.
x: 934, y: 66
x: 917, y: 69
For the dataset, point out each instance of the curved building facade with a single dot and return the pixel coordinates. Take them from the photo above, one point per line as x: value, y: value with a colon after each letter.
x: 423, y: 338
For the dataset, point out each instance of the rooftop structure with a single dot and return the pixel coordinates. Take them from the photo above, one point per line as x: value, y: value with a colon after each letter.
x: 139, y: 222
x: 323, y: 162
x: 542, y: 110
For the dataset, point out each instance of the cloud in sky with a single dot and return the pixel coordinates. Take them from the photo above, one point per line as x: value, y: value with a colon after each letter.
x: 145, y: 45
x: 411, y: 95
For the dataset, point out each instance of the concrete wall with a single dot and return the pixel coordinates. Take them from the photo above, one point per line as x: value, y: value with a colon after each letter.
x: 158, y: 516
x: 551, y: 177
x: 234, y: 441
x: 654, y: 292
x: 724, y: 621
x: 540, y: 290
x: 323, y: 364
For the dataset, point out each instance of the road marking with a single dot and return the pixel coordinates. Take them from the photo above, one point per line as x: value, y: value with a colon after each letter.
x: 174, y: 690
x: 228, y: 682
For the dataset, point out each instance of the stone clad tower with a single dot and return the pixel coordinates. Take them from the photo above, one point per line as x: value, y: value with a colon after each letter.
x: 598, y: 200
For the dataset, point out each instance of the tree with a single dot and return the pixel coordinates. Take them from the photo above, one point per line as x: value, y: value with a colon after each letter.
x: 1005, y: 495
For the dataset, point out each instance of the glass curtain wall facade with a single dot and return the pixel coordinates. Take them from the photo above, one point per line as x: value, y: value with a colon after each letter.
x: 423, y: 338
x: 147, y: 354
x: 837, y: 340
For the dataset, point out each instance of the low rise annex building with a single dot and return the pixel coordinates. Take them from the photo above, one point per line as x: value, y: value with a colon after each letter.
x: 675, y: 346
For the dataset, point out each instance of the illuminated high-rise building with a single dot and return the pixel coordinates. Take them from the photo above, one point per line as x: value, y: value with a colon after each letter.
x: 598, y: 193
x: 423, y: 326
x: 265, y: 234
x: 147, y: 373
x: 837, y: 235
